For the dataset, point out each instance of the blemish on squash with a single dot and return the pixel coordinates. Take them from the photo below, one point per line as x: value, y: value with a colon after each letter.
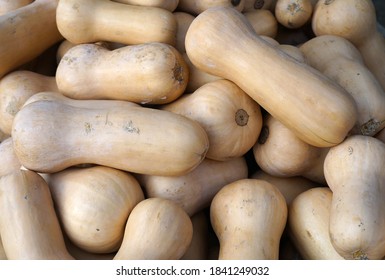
x: 178, y: 72
x: 258, y: 4
x: 350, y: 150
x: 327, y: 2
x: 241, y: 117
x: 129, y: 127
x: 88, y: 127
x: 359, y: 255
x: 294, y: 8
x: 97, y: 229
x: 370, y: 127
x: 12, y: 107
x: 264, y: 134
x: 309, y: 234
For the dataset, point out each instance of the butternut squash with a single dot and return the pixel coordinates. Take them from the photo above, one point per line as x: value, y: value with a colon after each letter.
x: 248, y: 216
x: 199, y: 246
x: 252, y: 5
x: 183, y: 20
x: 281, y: 153
x: 196, y: 7
x: 317, y: 110
x: 341, y: 61
x: 29, y: 227
x: 164, y: 4
x: 263, y: 21
x: 290, y: 187
x: 10, y: 5
x: 231, y: 118
x: 157, y: 229
x: 195, y: 190
x: 354, y: 172
x: 93, y: 205
x: 80, y: 254
x: 26, y: 33
x: 91, y: 21
x: 53, y: 133
x: 152, y: 73
x: 293, y: 13
x: 15, y: 88
x: 354, y: 20
x: 308, y: 222
x: 8, y: 159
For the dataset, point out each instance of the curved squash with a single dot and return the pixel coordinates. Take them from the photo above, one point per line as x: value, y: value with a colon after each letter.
x: 157, y: 229
x: 308, y: 222
x: 52, y: 134
x: 26, y: 33
x: 80, y: 193
x: 230, y: 117
x: 354, y: 171
x: 317, y: 109
x: 195, y: 190
x: 15, y: 88
x: 153, y: 73
x: 29, y: 227
x: 90, y: 21
x: 248, y: 216
x: 341, y: 61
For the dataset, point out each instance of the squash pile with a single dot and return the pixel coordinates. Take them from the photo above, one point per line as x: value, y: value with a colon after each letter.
x: 191, y: 130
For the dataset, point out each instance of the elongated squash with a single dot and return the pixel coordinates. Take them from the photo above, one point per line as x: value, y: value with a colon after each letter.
x: 314, y: 107
x: 50, y: 135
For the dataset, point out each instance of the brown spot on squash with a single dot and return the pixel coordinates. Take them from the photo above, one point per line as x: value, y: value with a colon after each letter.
x: 241, y: 117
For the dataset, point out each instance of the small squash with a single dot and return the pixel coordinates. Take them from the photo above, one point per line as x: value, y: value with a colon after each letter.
x: 157, y: 229
x: 354, y: 20
x: 263, y: 21
x: 231, y: 118
x: 354, y: 171
x: 248, y: 216
x: 93, y: 204
x: 281, y: 153
x: 55, y: 132
x: 308, y: 222
x: 15, y: 88
x: 341, y: 61
x: 316, y: 109
x: 29, y: 227
x: 195, y: 190
x: 151, y: 73
x: 26, y: 33
x: 90, y: 21
x: 293, y: 13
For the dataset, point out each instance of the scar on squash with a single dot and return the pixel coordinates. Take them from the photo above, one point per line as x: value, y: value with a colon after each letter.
x: 88, y: 127
x: 129, y: 127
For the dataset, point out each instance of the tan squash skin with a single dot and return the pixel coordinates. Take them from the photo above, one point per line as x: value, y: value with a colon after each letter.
x: 26, y: 33
x: 10, y: 5
x: 183, y: 22
x: 281, y: 153
x: 263, y: 22
x: 3, y: 256
x: 199, y: 246
x: 293, y: 13
x: 164, y: 4
x: 80, y: 193
x: 51, y: 135
x: 90, y: 21
x: 80, y: 254
x: 15, y: 88
x: 29, y: 227
x: 341, y: 61
x: 319, y: 111
x: 157, y: 229
x: 354, y: 171
x: 152, y: 73
x: 195, y: 190
x: 230, y: 117
x: 308, y: 222
x: 197, y: 77
x: 196, y: 7
x: 290, y: 187
x: 8, y: 159
x: 248, y: 216
x: 354, y: 20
